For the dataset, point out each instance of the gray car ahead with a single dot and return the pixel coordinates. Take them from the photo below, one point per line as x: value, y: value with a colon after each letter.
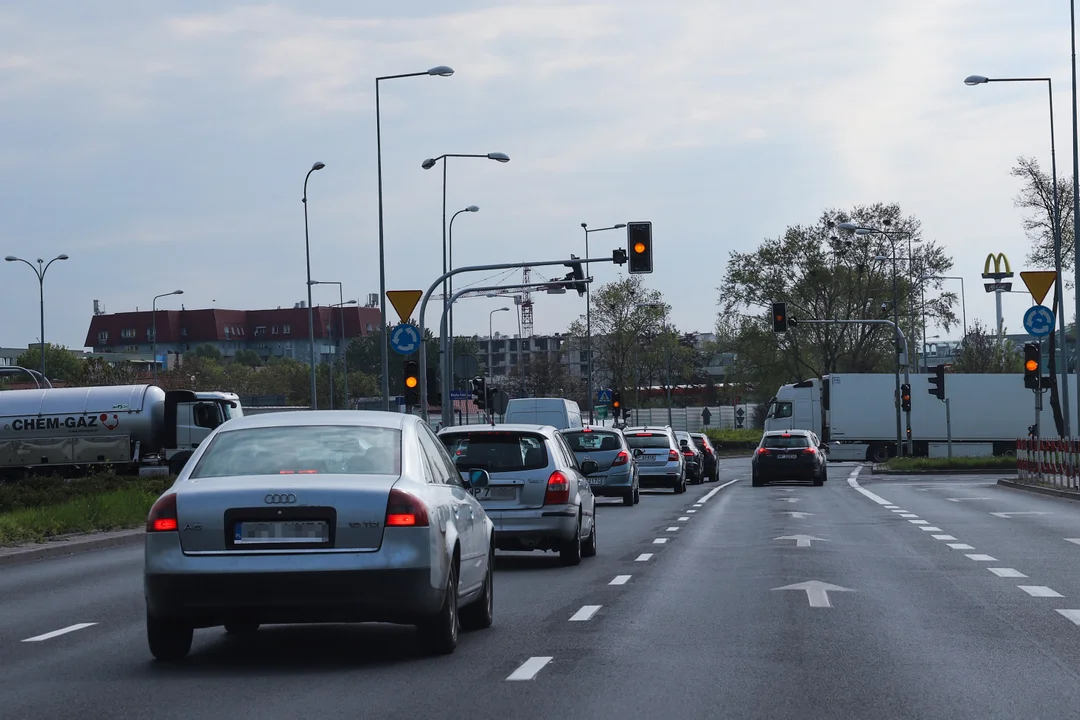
x: 538, y: 495
x: 617, y: 473
x: 325, y: 516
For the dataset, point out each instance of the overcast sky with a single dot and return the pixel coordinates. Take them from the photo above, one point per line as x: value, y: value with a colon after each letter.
x: 163, y: 145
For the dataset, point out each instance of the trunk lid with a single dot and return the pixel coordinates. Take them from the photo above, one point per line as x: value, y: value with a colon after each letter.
x: 283, y: 512
x: 651, y: 449
x: 518, y: 462
x: 600, y: 447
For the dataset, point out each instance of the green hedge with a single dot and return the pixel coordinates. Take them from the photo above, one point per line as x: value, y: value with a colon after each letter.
x: 996, y: 462
x: 729, y: 440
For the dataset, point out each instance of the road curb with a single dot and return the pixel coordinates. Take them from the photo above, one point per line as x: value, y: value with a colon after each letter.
x: 1039, y: 489
x: 69, y: 546
x: 942, y: 471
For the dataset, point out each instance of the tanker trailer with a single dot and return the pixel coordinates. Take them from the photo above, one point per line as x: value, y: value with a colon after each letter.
x: 133, y: 428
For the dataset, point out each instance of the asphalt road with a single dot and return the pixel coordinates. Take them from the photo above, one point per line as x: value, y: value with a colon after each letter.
x: 698, y: 626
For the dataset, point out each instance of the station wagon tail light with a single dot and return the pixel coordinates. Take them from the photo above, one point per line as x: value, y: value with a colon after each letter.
x: 558, y: 489
x: 162, y: 516
x: 810, y: 451
x: 672, y: 455
x: 405, y: 510
x: 763, y: 451
x: 621, y: 459
x: 688, y: 453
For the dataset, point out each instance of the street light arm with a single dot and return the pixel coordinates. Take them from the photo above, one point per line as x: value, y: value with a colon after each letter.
x: 25, y: 262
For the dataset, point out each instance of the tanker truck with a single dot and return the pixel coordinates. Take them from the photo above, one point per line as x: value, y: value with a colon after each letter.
x: 132, y: 428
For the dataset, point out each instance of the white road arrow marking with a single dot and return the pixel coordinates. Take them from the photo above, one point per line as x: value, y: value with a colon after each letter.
x: 963, y: 499
x: 801, y: 540
x: 797, y: 515
x: 1010, y: 514
x: 817, y: 592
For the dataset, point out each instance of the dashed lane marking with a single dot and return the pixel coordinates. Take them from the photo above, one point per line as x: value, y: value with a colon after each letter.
x: 943, y: 537
x: 891, y: 507
x: 961, y: 546
x: 1007, y: 572
x: 691, y: 511
x: 1040, y: 591
x: 620, y: 580
x: 528, y: 669
x: 1074, y: 541
x: 58, y: 633
x: 672, y: 529
x: 643, y: 557
x: 929, y: 528
x: 918, y: 522
x: 585, y: 613
x: 899, y: 511
x: 659, y: 541
x: 1073, y: 615
x: 980, y: 558
x: 683, y: 519
x: 908, y: 515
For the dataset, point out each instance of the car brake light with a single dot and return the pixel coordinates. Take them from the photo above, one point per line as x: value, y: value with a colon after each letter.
x: 763, y: 451
x: 786, y: 435
x: 810, y: 451
x: 672, y: 455
x: 588, y: 429
x: 162, y: 516
x: 688, y: 453
x: 621, y: 459
x: 558, y: 489
x: 405, y: 510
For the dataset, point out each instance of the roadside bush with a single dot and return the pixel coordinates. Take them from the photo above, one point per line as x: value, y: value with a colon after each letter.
x: 741, y: 440
x: 39, y: 492
x: 990, y: 462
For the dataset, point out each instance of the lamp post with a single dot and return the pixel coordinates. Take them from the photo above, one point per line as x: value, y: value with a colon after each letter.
x: 491, y: 346
x: 40, y: 272
x: 450, y: 263
x: 922, y: 301
x: 588, y: 316
x: 1063, y: 366
x: 153, y: 320
x: 441, y: 71
x: 1076, y: 189
x: 344, y: 364
x: 310, y: 312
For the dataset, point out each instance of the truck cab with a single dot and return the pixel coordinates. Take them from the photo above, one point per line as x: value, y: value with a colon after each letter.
x: 190, y: 417
x: 796, y: 407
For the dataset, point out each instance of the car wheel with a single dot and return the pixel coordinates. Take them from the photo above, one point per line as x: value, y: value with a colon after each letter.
x: 637, y: 495
x: 818, y: 480
x: 168, y: 640
x: 756, y: 481
x: 241, y: 628
x: 570, y: 554
x: 589, y: 549
x: 480, y: 614
x: 681, y: 487
x: 628, y: 498
x: 824, y: 474
x: 440, y: 634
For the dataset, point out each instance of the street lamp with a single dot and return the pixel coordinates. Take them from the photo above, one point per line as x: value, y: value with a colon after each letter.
x: 440, y: 71
x: 450, y: 263
x: 491, y: 344
x: 1064, y: 361
x: 40, y: 272
x: 310, y: 311
x: 588, y: 316
x: 153, y: 316
x: 344, y: 357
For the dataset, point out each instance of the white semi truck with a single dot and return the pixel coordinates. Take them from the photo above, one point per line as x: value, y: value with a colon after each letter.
x: 128, y: 427
x: 855, y: 413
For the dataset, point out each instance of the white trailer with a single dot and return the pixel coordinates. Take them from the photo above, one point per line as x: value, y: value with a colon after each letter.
x: 856, y: 414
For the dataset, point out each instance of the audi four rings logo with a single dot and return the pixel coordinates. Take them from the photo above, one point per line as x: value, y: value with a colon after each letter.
x: 288, y: 499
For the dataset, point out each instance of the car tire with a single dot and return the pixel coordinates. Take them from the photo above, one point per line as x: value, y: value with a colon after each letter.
x: 589, y: 548
x: 628, y: 498
x: 756, y: 481
x: 637, y: 494
x: 480, y: 615
x: 570, y: 553
x: 241, y: 628
x: 824, y: 474
x: 440, y: 633
x: 818, y: 480
x: 169, y: 640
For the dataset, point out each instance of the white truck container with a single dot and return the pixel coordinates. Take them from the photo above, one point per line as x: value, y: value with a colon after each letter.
x: 129, y: 427
x: 855, y: 413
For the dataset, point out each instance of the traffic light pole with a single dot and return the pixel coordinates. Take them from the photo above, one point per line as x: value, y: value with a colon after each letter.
x: 446, y: 371
x: 485, y: 268
x: 900, y: 445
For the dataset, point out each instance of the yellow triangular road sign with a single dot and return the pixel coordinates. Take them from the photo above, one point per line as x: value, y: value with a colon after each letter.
x: 404, y: 301
x: 1038, y: 283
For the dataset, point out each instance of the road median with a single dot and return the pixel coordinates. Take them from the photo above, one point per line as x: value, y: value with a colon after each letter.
x: 1040, y: 489
x: 946, y: 466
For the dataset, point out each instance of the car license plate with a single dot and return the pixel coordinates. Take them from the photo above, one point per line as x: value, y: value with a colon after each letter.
x: 597, y: 479
x: 282, y: 531
x: 786, y: 456
x: 504, y: 492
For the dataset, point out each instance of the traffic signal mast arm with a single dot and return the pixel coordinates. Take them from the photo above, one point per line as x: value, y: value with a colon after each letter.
x: 479, y: 268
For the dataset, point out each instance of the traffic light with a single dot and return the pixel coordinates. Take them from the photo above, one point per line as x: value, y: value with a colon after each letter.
x: 412, y: 383
x: 479, y: 393
x: 639, y: 246
x: 1032, y: 366
x: 575, y: 279
x: 616, y: 405
x: 434, y: 397
x: 937, y: 382
x: 779, y: 317
x: 905, y: 397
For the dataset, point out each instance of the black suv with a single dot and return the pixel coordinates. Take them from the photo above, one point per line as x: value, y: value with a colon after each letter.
x: 789, y: 455
x: 712, y: 465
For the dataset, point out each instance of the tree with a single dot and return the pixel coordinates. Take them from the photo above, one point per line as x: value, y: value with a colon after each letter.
x: 60, y: 363
x: 822, y: 272
x: 1037, y: 197
x: 983, y: 351
x: 544, y: 376
x: 365, y: 354
x: 247, y: 357
x: 207, y: 351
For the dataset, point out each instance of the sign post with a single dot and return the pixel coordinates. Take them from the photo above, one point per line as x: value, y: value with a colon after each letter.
x: 1038, y: 284
x: 997, y: 287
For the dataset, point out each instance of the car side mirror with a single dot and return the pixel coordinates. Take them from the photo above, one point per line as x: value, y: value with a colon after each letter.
x: 589, y: 467
x: 478, y: 478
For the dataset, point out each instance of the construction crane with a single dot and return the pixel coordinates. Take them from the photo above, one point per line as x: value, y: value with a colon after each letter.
x: 524, y: 299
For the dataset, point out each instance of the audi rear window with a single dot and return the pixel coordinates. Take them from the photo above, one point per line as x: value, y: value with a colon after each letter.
x: 791, y: 441
x: 592, y: 441
x: 648, y: 440
x: 497, y: 451
x: 302, y: 450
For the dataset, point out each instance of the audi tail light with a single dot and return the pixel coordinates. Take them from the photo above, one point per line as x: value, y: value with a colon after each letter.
x: 162, y: 516
x: 672, y: 455
x: 558, y: 489
x: 621, y: 459
x: 405, y: 510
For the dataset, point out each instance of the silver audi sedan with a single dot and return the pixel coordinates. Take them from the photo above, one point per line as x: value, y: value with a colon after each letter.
x: 319, y: 517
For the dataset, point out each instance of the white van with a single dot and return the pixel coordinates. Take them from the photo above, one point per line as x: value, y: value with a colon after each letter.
x: 559, y: 413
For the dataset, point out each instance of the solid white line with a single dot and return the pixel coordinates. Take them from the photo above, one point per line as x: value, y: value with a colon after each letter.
x: 1073, y: 615
x: 659, y: 541
x: 943, y: 537
x: 58, y: 633
x: 683, y: 518
x: 908, y: 515
x: 717, y: 489
x: 586, y: 612
x: 1039, y: 591
x: 529, y: 668
x: 918, y: 522
x: 929, y: 528
x: 672, y: 529
x: 643, y: 557
x: 961, y: 546
x: 981, y: 558
x: 620, y: 580
x: 1006, y: 572
x: 855, y: 484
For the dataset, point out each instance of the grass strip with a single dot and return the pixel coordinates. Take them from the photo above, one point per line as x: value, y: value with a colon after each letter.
x: 996, y: 462
x: 112, y: 510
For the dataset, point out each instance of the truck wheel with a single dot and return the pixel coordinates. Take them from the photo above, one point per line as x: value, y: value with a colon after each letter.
x: 879, y: 453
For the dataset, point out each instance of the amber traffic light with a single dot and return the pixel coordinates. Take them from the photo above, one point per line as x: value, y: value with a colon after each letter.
x: 1032, y: 366
x: 779, y: 317
x: 412, y: 383
x: 639, y: 244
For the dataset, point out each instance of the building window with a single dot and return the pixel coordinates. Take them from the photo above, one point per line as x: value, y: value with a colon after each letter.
x: 103, y: 336
x: 149, y: 333
x: 287, y: 329
x: 369, y: 328
x: 260, y: 331
x: 274, y: 330
x: 128, y: 333
x: 183, y: 332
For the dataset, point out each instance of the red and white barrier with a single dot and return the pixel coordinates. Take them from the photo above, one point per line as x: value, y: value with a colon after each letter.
x: 1049, y: 461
